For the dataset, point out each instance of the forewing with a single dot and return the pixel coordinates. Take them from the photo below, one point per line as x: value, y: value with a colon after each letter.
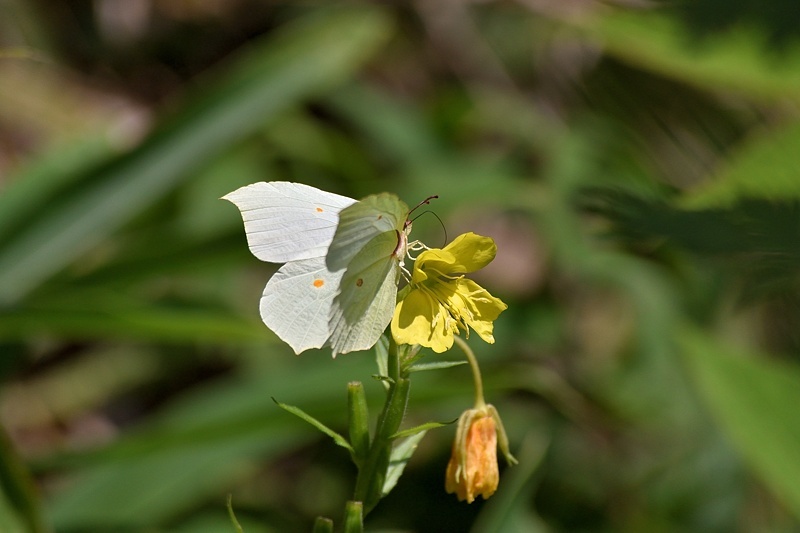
x: 296, y: 303
x: 287, y: 221
x: 367, y: 293
x: 362, y: 222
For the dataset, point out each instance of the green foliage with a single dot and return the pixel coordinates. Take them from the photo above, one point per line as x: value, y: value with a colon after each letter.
x: 756, y: 400
x: 641, y: 185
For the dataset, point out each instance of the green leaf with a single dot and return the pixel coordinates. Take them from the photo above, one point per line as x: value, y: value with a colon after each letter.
x: 734, y: 60
x: 19, y: 507
x: 338, y: 439
x: 381, y: 359
x: 410, y: 432
x: 421, y: 367
x: 300, y: 61
x: 765, y: 167
x: 155, y: 322
x: 398, y: 459
x: 193, y: 451
x: 755, y: 400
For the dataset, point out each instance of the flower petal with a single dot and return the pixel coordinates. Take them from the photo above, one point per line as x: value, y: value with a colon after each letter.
x: 471, y: 251
x: 483, y: 308
x: 420, y: 319
x: 431, y: 264
x: 478, y: 454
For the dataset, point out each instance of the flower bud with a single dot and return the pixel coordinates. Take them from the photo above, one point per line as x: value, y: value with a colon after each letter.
x: 473, y: 470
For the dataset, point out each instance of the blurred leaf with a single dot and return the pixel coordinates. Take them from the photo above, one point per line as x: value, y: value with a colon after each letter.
x: 41, y: 180
x: 780, y: 18
x: 427, y: 164
x: 507, y: 510
x: 93, y: 317
x: 755, y: 400
x: 764, y: 168
x: 10, y: 522
x: 304, y: 59
x: 731, y: 60
x: 19, y: 506
x: 755, y: 238
x: 195, y: 448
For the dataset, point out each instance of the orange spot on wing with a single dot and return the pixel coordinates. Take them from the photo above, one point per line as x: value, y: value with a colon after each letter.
x: 319, y: 210
x: 319, y: 283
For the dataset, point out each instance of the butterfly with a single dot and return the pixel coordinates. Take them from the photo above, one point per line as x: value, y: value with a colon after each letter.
x: 342, y: 262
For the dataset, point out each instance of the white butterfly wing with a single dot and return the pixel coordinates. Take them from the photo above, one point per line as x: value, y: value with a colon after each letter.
x: 293, y: 223
x: 287, y: 221
x: 361, y: 222
x: 367, y: 292
x: 296, y: 303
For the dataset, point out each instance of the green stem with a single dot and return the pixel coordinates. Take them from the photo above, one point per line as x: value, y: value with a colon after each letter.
x: 354, y: 517
x: 393, y: 360
x: 480, y: 403
x: 372, y: 474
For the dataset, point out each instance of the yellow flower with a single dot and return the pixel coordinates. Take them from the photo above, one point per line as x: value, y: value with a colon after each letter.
x: 472, y: 470
x: 441, y: 302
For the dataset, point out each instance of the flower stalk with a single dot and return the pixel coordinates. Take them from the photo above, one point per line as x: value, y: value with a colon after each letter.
x: 372, y: 474
x: 476, y: 371
x: 473, y: 470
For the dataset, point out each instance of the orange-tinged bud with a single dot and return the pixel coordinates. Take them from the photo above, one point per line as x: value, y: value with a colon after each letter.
x: 473, y: 469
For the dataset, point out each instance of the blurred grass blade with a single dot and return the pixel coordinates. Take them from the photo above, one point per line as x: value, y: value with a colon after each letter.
x: 764, y: 168
x: 156, y: 322
x: 190, y: 453
x: 755, y: 400
x: 734, y: 60
x: 19, y: 508
x: 44, y: 178
x: 301, y: 61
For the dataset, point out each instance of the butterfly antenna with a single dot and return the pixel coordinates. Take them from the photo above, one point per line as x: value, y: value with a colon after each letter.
x: 426, y: 201
x: 444, y: 228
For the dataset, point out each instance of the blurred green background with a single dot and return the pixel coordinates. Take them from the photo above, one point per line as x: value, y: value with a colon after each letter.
x: 637, y: 164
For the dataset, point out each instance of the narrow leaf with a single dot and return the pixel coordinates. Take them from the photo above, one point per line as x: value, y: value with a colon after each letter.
x: 302, y: 60
x: 735, y: 59
x: 422, y: 427
x: 338, y: 439
x: 381, y: 359
x: 400, y: 456
x: 764, y: 167
x: 421, y: 367
x: 232, y: 515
